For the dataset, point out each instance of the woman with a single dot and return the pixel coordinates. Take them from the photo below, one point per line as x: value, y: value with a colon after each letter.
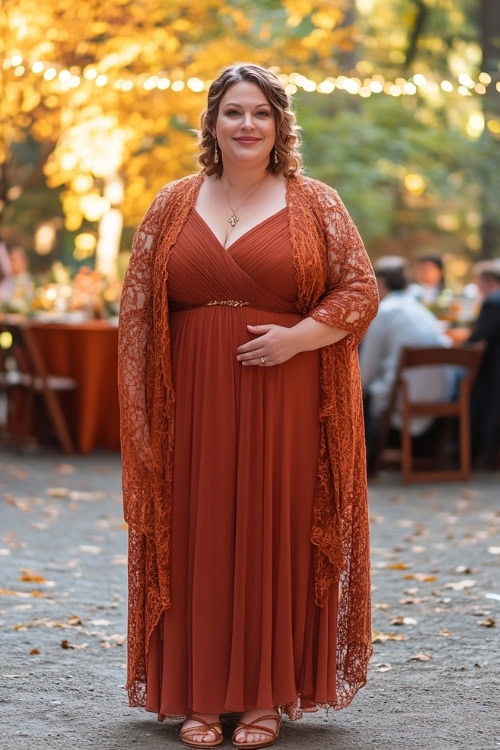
x: 246, y: 296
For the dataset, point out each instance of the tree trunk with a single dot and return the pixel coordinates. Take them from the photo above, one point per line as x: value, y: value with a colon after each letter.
x: 490, y: 42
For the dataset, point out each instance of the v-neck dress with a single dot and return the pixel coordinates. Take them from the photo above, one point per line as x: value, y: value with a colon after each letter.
x: 244, y: 631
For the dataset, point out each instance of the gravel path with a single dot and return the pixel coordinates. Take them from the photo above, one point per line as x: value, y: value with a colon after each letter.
x: 434, y: 679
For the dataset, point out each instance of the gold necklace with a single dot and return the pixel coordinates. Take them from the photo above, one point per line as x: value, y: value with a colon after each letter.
x: 234, y: 218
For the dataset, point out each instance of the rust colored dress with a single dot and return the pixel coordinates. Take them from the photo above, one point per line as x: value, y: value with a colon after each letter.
x: 244, y: 631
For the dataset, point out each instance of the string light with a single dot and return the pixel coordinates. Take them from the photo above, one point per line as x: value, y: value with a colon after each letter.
x: 375, y: 84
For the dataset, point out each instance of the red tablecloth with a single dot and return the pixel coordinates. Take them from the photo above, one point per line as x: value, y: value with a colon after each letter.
x: 88, y: 353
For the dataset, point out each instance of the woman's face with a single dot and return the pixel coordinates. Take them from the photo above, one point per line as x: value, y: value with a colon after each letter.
x: 245, y: 127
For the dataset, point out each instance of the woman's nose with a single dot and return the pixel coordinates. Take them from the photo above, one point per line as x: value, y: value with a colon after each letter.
x: 248, y: 121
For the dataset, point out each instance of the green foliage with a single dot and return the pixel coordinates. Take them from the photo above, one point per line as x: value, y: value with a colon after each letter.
x: 365, y: 151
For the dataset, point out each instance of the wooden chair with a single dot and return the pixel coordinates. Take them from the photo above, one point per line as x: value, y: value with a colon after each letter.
x: 23, y: 371
x: 468, y: 358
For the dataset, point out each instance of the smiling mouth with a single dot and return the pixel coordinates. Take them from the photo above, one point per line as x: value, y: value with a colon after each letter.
x: 247, y: 140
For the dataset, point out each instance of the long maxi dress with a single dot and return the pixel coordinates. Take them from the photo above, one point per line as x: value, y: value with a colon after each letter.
x: 244, y: 631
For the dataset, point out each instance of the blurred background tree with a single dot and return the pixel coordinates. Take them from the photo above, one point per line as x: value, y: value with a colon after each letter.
x: 99, y: 103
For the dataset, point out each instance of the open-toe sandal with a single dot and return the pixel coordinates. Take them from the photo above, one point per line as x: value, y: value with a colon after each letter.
x: 254, y: 726
x: 186, y: 735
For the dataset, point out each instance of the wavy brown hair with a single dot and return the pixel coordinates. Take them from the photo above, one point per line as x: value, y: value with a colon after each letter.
x: 287, y: 140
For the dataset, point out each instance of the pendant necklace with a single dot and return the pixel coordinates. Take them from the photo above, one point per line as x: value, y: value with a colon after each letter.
x: 234, y: 218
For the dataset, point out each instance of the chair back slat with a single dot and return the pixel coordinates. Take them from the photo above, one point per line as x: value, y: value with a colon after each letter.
x: 467, y: 356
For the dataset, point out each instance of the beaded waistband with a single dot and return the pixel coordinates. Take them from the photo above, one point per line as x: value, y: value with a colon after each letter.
x: 231, y: 302
x: 235, y: 303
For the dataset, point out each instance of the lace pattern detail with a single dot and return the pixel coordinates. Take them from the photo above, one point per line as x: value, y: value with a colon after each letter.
x: 336, y: 286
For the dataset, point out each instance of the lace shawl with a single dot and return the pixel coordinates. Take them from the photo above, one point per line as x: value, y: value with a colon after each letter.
x: 336, y: 286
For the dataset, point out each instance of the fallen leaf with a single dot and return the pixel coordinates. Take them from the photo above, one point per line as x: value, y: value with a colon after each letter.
x: 412, y: 591
x: 422, y: 577
x: 381, y: 605
x: 488, y: 623
x: 79, y: 646
x: 446, y: 633
x: 379, y: 637
x: 381, y: 667
x: 34, y: 651
x: 65, y: 469
x: 421, y: 657
x: 31, y: 577
x: 17, y: 473
x: 463, y: 570
x: 24, y: 594
x: 468, y: 494
x: 90, y: 549
x: 57, y: 492
x: 74, y: 620
x: 119, y: 560
x: 460, y: 585
x: 402, y: 620
x: 398, y: 566
x: 77, y: 495
x: 110, y: 641
x: 494, y: 550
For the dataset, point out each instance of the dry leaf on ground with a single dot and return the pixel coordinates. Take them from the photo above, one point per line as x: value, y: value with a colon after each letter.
x: 90, y: 549
x: 65, y: 469
x: 77, y: 646
x: 460, y: 585
x: 488, y: 623
x: 57, y: 491
x: 421, y: 657
x: 379, y: 637
x: 31, y: 576
x: 402, y: 620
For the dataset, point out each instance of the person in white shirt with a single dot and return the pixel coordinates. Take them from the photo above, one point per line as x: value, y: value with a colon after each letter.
x: 6, y: 277
x: 429, y: 279
x: 401, y: 321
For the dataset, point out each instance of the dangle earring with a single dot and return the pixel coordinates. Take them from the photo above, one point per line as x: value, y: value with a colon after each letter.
x: 216, y: 154
x: 275, y: 156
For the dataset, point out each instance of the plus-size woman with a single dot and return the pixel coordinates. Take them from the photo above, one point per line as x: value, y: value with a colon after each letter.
x: 246, y: 296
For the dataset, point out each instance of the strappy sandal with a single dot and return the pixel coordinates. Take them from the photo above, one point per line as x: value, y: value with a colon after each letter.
x: 185, y: 735
x: 252, y: 726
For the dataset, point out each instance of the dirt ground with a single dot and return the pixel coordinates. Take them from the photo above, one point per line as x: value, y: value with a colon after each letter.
x: 434, y: 679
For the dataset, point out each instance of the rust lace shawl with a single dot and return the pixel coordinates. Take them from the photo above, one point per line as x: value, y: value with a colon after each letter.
x: 336, y: 286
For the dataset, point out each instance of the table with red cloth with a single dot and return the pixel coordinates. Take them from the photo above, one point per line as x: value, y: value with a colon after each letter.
x: 88, y: 353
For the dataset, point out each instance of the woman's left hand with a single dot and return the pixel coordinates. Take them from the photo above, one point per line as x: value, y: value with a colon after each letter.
x: 275, y: 343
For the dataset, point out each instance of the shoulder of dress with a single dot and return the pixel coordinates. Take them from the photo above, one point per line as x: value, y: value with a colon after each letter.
x: 315, y: 188
x: 172, y: 196
x: 178, y: 187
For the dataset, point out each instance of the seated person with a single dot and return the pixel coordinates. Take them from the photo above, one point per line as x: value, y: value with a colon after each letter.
x: 6, y: 284
x: 485, y: 396
x: 429, y: 279
x: 401, y: 321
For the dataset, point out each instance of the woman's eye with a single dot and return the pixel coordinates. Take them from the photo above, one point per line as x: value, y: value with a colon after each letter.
x: 232, y: 112
x: 263, y: 113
